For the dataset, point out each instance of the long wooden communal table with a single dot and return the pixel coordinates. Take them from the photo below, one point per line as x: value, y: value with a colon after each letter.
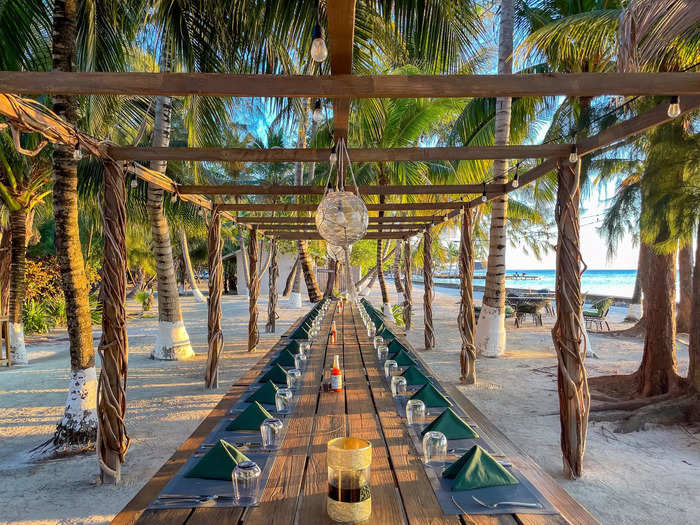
x: 297, y: 486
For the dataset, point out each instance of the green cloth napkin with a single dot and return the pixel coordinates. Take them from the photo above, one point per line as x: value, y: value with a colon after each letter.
x: 395, y: 347
x: 453, y: 426
x: 403, y: 359
x: 431, y: 396
x: 218, y: 463
x: 286, y: 358
x: 250, y: 419
x: 264, y: 394
x: 276, y: 374
x: 414, y: 376
x: 387, y: 334
x: 476, y: 470
x: 293, y: 347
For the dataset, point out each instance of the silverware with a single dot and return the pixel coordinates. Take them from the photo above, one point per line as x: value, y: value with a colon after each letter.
x: 506, y: 504
x: 186, y: 498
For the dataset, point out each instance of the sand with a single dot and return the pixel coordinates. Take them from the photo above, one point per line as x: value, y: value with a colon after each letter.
x: 643, y: 477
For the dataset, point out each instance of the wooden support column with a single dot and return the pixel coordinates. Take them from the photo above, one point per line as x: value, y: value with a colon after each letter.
x: 273, y: 274
x: 215, y: 336
x: 467, y: 357
x: 567, y: 334
x: 112, y: 439
x: 253, y: 290
x: 407, y: 285
x: 428, y: 292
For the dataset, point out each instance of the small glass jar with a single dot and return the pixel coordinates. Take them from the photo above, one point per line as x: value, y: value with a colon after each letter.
x: 283, y: 400
x: 434, y: 448
x: 294, y: 379
x: 398, y: 386
x: 349, y: 493
x: 378, y: 340
x: 390, y: 368
x: 415, y: 412
x: 271, y: 433
x: 382, y: 353
x: 371, y: 329
x: 246, y: 484
x: 304, y: 347
x: 300, y: 361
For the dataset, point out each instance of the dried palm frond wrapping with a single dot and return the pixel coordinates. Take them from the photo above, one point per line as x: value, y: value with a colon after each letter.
x: 253, y: 291
x: 273, y: 274
x: 112, y: 439
x: 465, y: 320
x: 428, y: 293
x: 215, y: 336
x: 407, y: 285
x: 567, y: 334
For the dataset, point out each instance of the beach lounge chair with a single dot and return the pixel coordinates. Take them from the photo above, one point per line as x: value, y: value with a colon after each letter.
x: 598, y: 314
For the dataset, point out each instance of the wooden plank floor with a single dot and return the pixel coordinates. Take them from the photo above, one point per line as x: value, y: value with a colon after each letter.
x: 296, y: 490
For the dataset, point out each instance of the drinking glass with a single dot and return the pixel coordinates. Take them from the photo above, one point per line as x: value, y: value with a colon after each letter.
x: 246, y: 484
x: 271, y: 433
x: 283, y: 400
x: 304, y: 347
x: 382, y: 353
x: 415, y: 412
x: 300, y: 361
x: 378, y: 340
x: 434, y: 448
x: 371, y: 329
x: 294, y: 378
x: 390, y: 367
x: 398, y: 386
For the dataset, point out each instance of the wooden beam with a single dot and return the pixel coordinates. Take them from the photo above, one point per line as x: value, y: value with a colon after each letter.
x: 311, y: 236
x: 341, y: 31
x: 312, y: 227
x: 312, y: 220
x: 405, y: 206
x: 279, y: 189
x: 350, y: 86
x: 322, y: 155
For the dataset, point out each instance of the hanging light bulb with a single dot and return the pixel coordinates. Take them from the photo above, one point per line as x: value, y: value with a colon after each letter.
x: 134, y: 182
x: 173, y: 198
x: 334, y: 156
x: 483, y: 195
x: 77, y: 154
x: 674, y: 108
x: 573, y: 156
x: 319, y: 51
x: 317, y: 115
x: 515, y: 182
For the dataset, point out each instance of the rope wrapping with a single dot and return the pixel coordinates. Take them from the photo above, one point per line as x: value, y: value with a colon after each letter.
x: 407, y: 285
x: 215, y: 336
x: 429, y: 332
x: 273, y: 274
x: 253, y: 291
x: 113, y: 349
x: 465, y: 320
x: 567, y: 333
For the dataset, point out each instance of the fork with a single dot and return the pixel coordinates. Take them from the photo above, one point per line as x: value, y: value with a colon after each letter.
x: 507, y: 504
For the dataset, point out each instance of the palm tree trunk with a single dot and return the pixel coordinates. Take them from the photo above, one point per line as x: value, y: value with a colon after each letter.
x: 694, y: 346
x: 312, y: 286
x: 386, y: 307
x: 172, y: 342
x: 396, y: 270
x: 5, y: 258
x: 215, y: 336
x: 428, y: 292
x: 253, y: 291
x: 18, y: 285
x: 272, y: 293
x: 189, y: 271
x: 490, y: 330
x: 465, y: 320
x: 408, y: 286
x: 685, y: 270
x: 330, y: 283
x: 78, y: 427
x: 291, y: 278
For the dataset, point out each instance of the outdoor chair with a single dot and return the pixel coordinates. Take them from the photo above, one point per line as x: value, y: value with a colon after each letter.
x: 598, y: 314
x: 531, y: 308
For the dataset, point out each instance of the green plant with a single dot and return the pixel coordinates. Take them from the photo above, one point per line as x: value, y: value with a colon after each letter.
x: 95, y: 309
x: 36, y: 317
x: 397, y: 310
x: 146, y: 300
x: 56, y: 308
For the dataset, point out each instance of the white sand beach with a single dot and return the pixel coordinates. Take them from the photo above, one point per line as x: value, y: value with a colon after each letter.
x: 647, y: 477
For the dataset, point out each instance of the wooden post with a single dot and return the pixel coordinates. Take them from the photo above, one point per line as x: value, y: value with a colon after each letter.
x: 567, y: 334
x: 112, y: 439
x: 253, y: 290
x: 273, y: 274
x: 215, y: 336
x: 407, y: 285
x: 467, y: 358
x: 429, y: 332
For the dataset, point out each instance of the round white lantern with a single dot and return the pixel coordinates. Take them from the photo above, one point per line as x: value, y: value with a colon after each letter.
x: 342, y: 218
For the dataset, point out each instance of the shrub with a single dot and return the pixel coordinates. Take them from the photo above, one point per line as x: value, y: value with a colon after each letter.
x: 146, y: 300
x: 397, y: 310
x: 36, y: 317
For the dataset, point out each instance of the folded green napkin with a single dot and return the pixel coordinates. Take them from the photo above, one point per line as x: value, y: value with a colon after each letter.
x: 403, y: 359
x: 293, y: 347
x: 264, y: 394
x: 414, y: 376
x: 431, y: 396
x: 395, y: 347
x: 476, y: 470
x: 218, y: 463
x: 453, y: 426
x: 250, y: 419
x: 387, y: 334
x: 286, y: 358
x: 276, y: 374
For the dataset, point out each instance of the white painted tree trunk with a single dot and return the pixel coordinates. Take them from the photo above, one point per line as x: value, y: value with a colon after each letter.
x: 189, y: 271
x: 80, y: 415
x: 172, y: 342
x: 589, y: 348
x: 634, y: 312
x: 490, y: 333
x: 18, y: 350
x: 386, y: 310
x: 295, y: 297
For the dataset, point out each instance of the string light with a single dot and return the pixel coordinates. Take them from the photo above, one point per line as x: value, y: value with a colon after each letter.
x: 317, y: 115
x: 333, y: 156
x: 515, y: 182
x: 134, y: 182
x: 173, y: 198
x: 483, y: 195
x: 674, y: 108
x: 573, y: 156
x: 77, y: 154
x: 319, y: 51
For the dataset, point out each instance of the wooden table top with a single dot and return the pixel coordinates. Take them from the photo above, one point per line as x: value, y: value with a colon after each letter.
x: 297, y: 485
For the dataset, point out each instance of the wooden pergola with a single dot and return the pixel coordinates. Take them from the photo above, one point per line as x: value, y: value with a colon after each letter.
x: 341, y: 86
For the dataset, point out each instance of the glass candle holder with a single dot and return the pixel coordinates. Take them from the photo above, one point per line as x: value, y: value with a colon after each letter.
x: 246, y: 484
x: 398, y: 386
x: 300, y: 361
x: 304, y: 347
x: 371, y: 330
x: 434, y: 448
x: 349, y: 494
x: 283, y: 400
x: 294, y: 379
x: 271, y: 433
x: 390, y: 367
x: 378, y: 340
x: 415, y: 412
x: 382, y: 353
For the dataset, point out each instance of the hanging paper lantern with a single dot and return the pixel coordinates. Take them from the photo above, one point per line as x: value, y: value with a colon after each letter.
x: 337, y: 252
x: 342, y: 218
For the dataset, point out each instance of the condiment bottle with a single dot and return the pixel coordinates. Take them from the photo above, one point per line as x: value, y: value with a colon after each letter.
x: 336, y: 375
x: 334, y: 334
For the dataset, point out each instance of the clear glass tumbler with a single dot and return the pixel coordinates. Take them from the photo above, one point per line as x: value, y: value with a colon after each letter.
x: 398, y: 386
x: 271, y: 433
x: 378, y: 340
x: 434, y: 448
x: 382, y: 353
x: 371, y: 330
x: 415, y: 412
x: 246, y: 484
x: 294, y: 378
x: 283, y: 400
x: 304, y: 347
x: 300, y: 361
x: 390, y: 367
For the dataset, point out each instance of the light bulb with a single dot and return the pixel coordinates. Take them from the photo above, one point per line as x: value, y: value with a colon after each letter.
x: 674, y: 108
x: 515, y: 183
x: 483, y: 198
x: 77, y: 154
x: 573, y: 156
x: 317, y: 115
x: 333, y: 158
x: 319, y: 51
x: 173, y: 198
x: 134, y: 182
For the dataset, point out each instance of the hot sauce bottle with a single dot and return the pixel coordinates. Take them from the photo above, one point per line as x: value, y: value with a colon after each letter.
x: 336, y: 375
